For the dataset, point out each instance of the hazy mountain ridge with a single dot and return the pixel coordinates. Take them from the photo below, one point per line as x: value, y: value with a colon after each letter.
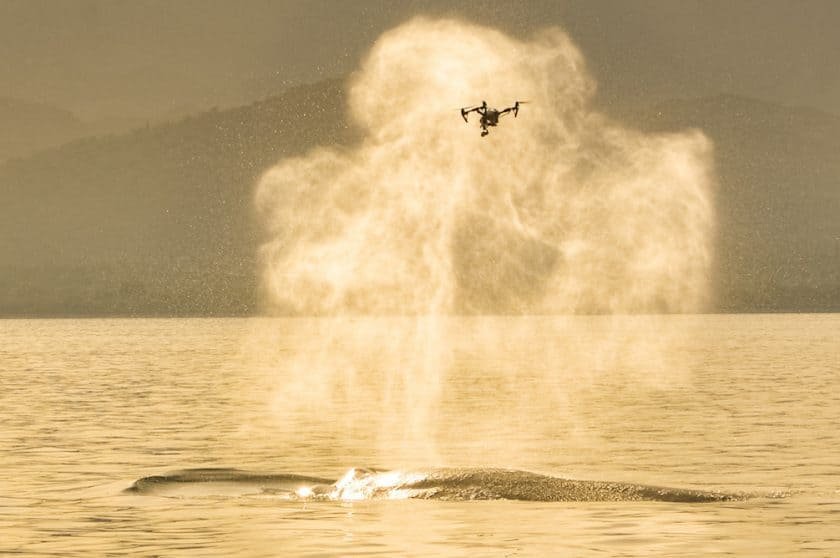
x: 778, y: 200
x: 154, y: 222
x: 28, y: 127
x: 159, y: 221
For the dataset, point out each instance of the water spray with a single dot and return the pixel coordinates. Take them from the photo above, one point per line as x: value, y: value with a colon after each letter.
x: 565, y: 212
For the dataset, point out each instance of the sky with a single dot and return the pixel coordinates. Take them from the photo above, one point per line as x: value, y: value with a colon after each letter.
x: 153, y: 59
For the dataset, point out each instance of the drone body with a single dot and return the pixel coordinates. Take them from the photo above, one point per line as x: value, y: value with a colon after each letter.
x: 490, y: 116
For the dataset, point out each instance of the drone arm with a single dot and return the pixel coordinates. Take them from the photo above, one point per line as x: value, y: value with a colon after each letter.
x: 466, y: 111
x: 514, y: 109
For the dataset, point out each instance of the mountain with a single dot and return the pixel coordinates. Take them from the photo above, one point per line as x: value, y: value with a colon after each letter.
x: 29, y: 127
x: 778, y: 200
x: 159, y: 221
x: 154, y: 222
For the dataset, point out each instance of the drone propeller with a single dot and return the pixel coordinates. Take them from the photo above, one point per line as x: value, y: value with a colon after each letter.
x: 516, y: 107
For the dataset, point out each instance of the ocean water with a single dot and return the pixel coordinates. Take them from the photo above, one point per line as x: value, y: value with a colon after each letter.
x: 480, y: 436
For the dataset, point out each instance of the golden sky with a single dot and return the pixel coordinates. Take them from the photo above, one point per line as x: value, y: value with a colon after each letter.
x: 148, y: 59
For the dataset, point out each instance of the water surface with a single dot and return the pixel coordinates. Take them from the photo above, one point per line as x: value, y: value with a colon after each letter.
x: 724, y: 404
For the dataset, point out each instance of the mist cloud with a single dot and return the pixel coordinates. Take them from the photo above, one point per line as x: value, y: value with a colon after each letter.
x: 556, y: 211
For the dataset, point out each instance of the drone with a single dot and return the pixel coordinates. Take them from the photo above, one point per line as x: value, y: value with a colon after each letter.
x: 490, y: 116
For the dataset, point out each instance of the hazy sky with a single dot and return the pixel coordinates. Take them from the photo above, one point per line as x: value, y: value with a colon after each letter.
x: 106, y: 58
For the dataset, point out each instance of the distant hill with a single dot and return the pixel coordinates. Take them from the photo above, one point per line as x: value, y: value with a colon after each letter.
x: 27, y: 127
x: 159, y: 221
x: 154, y: 222
x: 778, y: 200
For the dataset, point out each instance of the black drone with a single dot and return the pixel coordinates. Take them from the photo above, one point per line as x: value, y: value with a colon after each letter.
x: 490, y: 116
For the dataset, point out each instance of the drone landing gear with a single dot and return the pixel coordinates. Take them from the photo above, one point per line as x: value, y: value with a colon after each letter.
x: 484, y: 132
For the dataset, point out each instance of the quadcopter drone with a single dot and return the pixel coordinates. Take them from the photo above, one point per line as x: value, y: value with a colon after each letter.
x: 490, y: 116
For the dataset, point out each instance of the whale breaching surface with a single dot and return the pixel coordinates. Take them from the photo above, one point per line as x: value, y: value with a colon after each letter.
x: 436, y: 484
